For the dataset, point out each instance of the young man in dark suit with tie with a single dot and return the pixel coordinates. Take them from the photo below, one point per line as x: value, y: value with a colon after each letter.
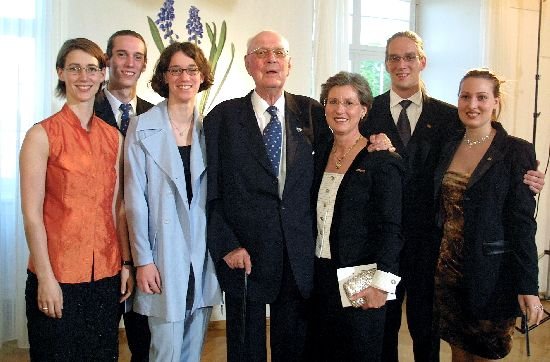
x: 126, y: 58
x: 418, y: 126
x: 260, y: 233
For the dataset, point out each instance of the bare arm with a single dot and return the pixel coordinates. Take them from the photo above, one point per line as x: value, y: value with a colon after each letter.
x: 119, y: 212
x: 33, y: 161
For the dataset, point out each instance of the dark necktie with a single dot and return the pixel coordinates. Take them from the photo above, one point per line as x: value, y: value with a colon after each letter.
x: 125, y: 119
x: 272, y: 139
x: 403, y: 123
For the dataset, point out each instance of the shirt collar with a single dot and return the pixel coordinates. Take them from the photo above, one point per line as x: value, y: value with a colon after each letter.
x: 115, y: 103
x: 395, y: 98
x: 260, y: 105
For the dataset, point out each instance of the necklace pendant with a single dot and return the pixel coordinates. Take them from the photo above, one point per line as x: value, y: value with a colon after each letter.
x: 338, y: 164
x: 181, y: 134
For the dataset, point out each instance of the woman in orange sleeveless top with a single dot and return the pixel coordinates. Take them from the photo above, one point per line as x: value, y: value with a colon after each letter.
x: 72, y: 211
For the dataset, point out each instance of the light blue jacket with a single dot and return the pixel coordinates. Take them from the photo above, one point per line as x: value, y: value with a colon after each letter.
x: 163, y: 228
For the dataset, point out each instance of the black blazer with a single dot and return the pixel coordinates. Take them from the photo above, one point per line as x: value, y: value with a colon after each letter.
x: 500, y: 254
x: 244, y: 208
x: 437, y: 122
x: 366, y: 223
x: 103, y: 110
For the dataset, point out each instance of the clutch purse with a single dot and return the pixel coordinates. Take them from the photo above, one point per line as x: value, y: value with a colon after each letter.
x: 356, y: 283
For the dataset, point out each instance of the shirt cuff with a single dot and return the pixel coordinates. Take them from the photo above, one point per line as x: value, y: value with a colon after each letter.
x: 384, y: 281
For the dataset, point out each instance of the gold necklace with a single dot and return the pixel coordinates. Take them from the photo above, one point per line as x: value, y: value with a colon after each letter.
x: 471, y: 142
x: 181, y: 133
x: 339, y: 160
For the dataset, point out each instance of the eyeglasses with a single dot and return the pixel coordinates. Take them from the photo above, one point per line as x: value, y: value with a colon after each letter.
x: 334, y: 102
x: 407, y: 58
x: 76, y: 69
x: 177, y: 71
x: 264, y: 52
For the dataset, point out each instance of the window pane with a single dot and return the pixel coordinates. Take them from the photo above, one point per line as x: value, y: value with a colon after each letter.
x: 21, y: 9
x: 375, y: 73
x: 381, y: 19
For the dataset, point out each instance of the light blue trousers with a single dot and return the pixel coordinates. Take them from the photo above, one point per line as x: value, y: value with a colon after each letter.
x: 179, y: 341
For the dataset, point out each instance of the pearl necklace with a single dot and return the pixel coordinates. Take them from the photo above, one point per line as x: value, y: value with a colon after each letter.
x: 339, y: 160
x: 471, y: 142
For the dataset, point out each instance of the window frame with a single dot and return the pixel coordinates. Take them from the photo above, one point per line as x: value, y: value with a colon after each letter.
x: 359, y: 53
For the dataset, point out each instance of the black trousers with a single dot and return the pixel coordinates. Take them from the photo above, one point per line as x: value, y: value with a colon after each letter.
x: 138, y: 335
x: 418, y: 288
x: 339, y: 334
x: 246, y: 334
x: 88, y: 329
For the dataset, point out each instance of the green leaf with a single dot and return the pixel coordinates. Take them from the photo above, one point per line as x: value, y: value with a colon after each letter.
x: 204, y: 98
x: 221, y: 44
x: 224, y: 76
x: 155, y: 34
x: 212, y: 38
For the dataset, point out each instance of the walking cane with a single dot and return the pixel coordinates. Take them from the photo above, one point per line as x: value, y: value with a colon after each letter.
x: 243, y: 318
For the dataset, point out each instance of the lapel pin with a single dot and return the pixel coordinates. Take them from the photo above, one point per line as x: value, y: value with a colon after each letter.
x: 429, y: 125
x: 298, y: 129
x: 360, y: 170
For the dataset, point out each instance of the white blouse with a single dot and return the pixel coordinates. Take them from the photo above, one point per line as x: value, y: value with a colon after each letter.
x: 325, y: 209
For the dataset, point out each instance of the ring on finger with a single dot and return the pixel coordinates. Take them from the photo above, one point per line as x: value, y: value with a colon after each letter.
x: 45, y: 308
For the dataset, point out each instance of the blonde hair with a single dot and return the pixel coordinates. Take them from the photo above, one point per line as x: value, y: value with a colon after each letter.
x: 485, y: 73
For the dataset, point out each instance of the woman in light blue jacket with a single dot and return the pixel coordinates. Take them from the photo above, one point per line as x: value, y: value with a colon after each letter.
x: 165, y: 196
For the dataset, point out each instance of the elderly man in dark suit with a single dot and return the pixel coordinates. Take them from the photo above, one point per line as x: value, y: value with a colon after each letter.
x: 126, y: 58
x: 260, y: 233
x: 418, y: 126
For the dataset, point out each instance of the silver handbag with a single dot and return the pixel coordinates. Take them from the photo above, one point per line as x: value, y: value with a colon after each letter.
x: 357, y: 283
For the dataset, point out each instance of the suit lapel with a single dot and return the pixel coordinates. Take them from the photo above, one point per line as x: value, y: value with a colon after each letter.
x: 198, y: 149
x: 293, y: 131
x: 494, y: 153
x: 104, y: 111
x: 142, y: 106
x: 389, y: 125
x: 420, y: 144
x: 252, y: 137
x: 162, y: 148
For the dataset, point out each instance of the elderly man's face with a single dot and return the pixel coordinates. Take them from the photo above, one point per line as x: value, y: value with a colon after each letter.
x: 268, y: 62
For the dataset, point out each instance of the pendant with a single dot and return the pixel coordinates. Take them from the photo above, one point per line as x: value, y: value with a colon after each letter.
x: 338, y: 164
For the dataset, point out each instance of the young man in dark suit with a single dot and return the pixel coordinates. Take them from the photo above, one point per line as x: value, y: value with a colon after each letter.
x: 126, y: 58
x: 418, y: 138
x: 260, y: 231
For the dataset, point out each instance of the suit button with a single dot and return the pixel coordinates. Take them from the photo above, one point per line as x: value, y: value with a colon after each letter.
x: 275, y: 182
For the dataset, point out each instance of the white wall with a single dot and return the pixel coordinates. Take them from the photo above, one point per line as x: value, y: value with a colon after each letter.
x: 98, y: 20
x: 453, y: 42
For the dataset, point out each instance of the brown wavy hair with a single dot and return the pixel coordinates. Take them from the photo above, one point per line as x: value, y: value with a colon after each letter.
x: 158, y: 83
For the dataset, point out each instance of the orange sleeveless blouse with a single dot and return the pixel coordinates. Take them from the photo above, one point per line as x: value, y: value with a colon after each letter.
x: 78, y: 202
